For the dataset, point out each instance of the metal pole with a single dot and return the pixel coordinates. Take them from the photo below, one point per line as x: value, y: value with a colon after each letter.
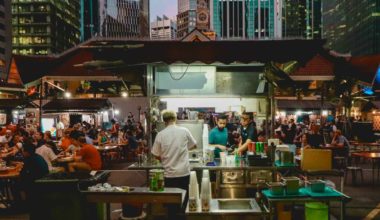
x: 40, y: 114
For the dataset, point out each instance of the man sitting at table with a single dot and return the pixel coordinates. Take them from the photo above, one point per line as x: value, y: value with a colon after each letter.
x: 35, y: 167
x: 341, y: 141
x: 88, y: 157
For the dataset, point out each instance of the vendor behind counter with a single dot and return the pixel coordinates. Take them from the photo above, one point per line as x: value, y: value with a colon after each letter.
x: 218, y: 136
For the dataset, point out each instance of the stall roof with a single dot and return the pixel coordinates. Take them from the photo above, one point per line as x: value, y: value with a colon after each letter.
x: 366, y: 67
x: 15, y: 103
x: 371, y: 105
x: 303, y: 104
x: 77, y: 105
x: 140, y: 52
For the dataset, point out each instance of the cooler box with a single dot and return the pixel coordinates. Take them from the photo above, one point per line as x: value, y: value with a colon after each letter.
x: 316, y: 159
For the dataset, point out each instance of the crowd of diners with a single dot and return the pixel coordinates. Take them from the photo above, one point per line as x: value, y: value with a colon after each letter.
x: 39, y: 153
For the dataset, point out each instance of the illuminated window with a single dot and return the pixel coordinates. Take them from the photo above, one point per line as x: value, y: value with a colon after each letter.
x: 25, y: 40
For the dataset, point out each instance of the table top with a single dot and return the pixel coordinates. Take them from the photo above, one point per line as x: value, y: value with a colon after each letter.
x: 65, y: 159
x: 371, y: 155
x: 365, y: 143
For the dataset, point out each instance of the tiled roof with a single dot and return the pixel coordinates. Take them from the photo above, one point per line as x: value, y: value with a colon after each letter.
x: 317, y: 66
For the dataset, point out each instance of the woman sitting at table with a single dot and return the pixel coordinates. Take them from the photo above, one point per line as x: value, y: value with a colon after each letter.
x: 305, y: 141
x: 88, y: 157
x: 102, y: 138
x: 65, y: 141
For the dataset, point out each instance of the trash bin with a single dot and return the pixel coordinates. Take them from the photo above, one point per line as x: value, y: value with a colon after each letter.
x: 57, y: 197
x: 316, y: 211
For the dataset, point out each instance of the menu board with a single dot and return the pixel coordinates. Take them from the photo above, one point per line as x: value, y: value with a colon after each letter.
x: 32, y: 119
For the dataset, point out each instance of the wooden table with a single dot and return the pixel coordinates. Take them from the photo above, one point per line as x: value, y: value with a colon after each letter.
x: 8, y: 179
x: 365, y: 145
x: 375, y: 159
x: 103, y: 152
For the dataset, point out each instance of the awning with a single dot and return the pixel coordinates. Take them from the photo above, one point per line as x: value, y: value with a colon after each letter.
x: 304, y: 104
x: 76, y: 105
x: 111, y: 54
x: 15, y: 103
x: 371, y: 105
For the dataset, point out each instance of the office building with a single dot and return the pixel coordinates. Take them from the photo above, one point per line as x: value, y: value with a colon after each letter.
x: 89, y: 19
x: 45, y: 27
x: 302, y: 19
x: 352, y: 26
x: 246, y: 19
x: 163, y: 29
x: 124, y: 18
x: 5, y: 37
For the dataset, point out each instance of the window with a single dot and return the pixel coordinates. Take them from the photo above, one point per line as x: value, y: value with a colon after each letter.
x: 25, y: 40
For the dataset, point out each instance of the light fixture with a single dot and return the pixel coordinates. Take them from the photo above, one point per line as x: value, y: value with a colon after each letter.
x: 373, y: 112
x: 298, y: 113
x: 67, y: 94
x: 124, y: 94
x: 15, y: 112
x: 117, y: 112
x: 324, y: 113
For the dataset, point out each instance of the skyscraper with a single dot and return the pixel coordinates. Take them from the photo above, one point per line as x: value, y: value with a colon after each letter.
x: 163, y: 29
x: 89, y: 19
x: 246, y: 19
x: 45, y: 27
x: 302, y: 19
x: 352, y: 26
x: 124, y: 18
x: 5, y: 37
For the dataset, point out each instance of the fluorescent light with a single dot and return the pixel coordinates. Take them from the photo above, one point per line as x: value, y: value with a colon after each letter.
x: 324, y: 113
x: 67, y: 94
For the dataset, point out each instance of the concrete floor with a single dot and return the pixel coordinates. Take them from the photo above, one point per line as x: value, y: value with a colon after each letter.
x: 365, y: 197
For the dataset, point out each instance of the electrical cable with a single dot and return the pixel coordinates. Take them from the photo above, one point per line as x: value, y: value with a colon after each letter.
x: 183, y: 74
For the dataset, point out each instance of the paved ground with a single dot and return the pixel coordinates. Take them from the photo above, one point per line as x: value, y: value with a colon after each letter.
x: 365, y: 197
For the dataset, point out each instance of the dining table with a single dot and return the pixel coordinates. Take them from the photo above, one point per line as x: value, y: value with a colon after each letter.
x: 103, y: 150
x: 9, y: 175
x: 375, y: 160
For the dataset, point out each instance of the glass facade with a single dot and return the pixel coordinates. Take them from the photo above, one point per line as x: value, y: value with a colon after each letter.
x: 244, y: 19
x: 5, y: 37
x: 302, y: 19
x: 89, y: 19
x: 124, y: 18
x: 352, y: 26
x: 45, y: 26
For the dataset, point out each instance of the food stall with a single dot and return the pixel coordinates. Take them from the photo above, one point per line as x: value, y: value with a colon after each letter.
x: 219, y: 76
x: 71, y: 111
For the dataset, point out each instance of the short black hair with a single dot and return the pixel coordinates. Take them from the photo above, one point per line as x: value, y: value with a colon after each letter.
x: 76, y: 134
x: 222, y: 117
x: 29, y: 147
x: 250, y: 114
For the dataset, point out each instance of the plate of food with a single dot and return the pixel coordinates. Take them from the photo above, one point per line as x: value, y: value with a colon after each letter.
x: 2, y: 169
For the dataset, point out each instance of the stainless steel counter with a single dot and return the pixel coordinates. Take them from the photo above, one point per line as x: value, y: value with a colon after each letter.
x: 233, y: 212
x: 242, y: 165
